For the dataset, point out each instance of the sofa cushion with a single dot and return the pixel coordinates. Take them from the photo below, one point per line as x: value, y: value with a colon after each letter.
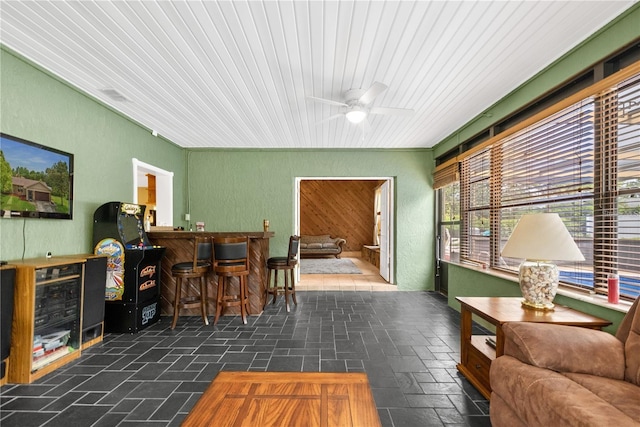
x: 621, y: 394
x: 629, y: 333
x: 545, y: 345
x: 625, y: 326
x: 329, y: 245
x: 632, y: 354
x: 542, y: 397
x: 632, y: 346
x: 314, y: 246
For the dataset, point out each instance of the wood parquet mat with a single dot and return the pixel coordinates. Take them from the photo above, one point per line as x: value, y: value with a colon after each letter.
x: 270, y: 399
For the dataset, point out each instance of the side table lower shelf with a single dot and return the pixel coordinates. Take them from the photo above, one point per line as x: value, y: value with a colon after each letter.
x: 478, y: 362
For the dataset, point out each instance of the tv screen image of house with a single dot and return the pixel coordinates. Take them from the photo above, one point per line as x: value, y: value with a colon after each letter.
x: 35, y: 181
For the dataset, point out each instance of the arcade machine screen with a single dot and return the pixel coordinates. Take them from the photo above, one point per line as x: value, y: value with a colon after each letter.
x: 132, y: 231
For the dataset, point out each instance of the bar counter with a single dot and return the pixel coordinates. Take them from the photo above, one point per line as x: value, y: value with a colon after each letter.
x: 179, y: 248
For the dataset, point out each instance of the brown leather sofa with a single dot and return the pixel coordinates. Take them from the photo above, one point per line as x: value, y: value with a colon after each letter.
x: 554, y: 375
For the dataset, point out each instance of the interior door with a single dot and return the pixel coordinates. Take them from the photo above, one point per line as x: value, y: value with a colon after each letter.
x: 385, y: 256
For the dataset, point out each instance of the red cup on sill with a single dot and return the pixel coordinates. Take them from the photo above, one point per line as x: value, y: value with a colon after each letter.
x: 613, y: 291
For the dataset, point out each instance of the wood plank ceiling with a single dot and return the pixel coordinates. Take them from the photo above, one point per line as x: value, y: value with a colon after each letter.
x: 238, y: 74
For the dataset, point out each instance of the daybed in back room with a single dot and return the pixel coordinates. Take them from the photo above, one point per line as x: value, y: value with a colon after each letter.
x: 324, y: 245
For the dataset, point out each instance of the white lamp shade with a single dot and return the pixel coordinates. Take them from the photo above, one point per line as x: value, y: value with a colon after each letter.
x: 542, y: 236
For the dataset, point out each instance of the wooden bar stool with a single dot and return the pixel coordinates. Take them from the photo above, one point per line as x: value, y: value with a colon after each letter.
x: 198, y: 267
x: 288, y: 264
x: 231, y: 259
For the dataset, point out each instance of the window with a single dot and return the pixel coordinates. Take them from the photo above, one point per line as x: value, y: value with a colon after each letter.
x: 548, y: 167
x: 449, y: 215
x: 446, y: 179
x: 581, y: 161
x: 617, y: 191
x: 475, y: 174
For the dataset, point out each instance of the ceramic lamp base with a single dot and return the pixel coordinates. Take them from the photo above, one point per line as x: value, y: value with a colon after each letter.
x: 538, y: 284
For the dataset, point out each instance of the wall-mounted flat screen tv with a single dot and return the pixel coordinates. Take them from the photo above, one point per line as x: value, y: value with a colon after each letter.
x: 35, y: 181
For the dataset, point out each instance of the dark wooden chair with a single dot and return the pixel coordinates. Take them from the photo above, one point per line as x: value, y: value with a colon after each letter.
x: 231, y: 259
x: 288, y: 265
x: 198, y: 268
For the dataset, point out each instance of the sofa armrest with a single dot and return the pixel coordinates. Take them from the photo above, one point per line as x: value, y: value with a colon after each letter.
x: 340, y: 242
x: 565, y: 348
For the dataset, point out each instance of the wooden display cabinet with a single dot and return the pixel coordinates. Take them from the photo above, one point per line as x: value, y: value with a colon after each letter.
x: 47, y: 303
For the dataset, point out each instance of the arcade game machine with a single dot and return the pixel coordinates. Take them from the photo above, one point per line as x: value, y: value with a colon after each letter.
x: 132, y: 296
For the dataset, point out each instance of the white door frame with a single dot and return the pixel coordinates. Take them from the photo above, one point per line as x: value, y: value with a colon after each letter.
x: 389, y: 212
x: 385, y: 228
x: 164, y: 190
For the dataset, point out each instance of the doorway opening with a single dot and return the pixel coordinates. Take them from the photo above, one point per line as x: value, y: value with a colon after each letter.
x: 358, y: 209
x: 153, y: 187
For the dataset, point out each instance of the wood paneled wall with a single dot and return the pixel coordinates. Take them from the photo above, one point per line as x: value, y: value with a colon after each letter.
x: 341, y: 208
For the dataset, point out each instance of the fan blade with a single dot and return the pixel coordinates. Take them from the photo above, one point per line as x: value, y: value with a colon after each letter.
x: 394, y: 111
x: 376, y: 89
x: 335, y: 116
x: 327, y: 101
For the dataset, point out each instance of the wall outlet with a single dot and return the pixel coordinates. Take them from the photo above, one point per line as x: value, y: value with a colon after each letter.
x: 187, y: 217
x: 48, y: 255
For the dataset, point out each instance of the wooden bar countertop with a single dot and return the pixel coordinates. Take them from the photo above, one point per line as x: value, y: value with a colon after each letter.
x: 173, y: 234
x: 179, y: 249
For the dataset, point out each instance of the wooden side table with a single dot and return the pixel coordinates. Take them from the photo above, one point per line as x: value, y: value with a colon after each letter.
x: 476, y: 354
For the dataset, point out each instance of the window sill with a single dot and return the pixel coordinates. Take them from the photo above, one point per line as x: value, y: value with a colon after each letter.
x: 599, y: 300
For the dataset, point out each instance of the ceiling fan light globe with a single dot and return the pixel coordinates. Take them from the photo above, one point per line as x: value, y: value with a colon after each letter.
x: 356, y: 116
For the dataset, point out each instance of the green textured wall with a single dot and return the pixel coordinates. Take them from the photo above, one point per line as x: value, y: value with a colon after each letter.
x: 36, y: 107
x: 614, y: 36
x: 235, y: 190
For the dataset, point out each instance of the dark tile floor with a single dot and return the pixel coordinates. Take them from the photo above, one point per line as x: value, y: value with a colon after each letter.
x: 407, y: 343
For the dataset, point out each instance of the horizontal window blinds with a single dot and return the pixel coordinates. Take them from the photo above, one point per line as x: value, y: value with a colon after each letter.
x: 550, y: 161
x: 446, y: 175
x: 548, y: 167
x: 617, y: 206
x: 474, y: 194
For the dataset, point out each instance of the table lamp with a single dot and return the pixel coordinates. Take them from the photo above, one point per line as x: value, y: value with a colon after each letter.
x: 539, y: 239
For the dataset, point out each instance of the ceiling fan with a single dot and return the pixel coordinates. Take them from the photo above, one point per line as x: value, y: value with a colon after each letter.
x: 356, y: 105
